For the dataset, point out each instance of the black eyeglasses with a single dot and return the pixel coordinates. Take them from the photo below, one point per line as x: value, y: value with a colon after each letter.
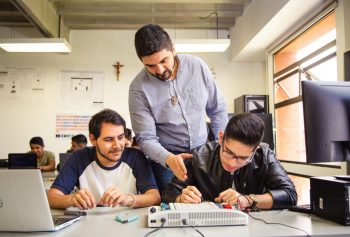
x: 239, y: 159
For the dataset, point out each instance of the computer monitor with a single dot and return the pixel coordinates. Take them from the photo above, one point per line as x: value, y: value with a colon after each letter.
x: 22, y: 160
x: 327, y: 121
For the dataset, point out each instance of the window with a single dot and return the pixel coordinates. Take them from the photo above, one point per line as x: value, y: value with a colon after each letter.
x: 309, y: 56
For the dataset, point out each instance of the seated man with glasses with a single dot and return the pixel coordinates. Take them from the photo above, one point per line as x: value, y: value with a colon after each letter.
x: 237, y: 169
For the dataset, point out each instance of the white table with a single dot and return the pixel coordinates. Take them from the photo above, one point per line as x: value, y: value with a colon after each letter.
x: 103, y: 225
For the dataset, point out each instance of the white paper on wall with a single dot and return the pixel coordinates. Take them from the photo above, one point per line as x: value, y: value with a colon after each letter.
x: 22, y: 86
x: 81, y: 89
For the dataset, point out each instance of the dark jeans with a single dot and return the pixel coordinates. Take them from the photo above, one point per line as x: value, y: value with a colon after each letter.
x: 162, y: 175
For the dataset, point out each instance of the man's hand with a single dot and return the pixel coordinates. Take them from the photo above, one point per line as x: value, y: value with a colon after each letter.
x: 228, y: 196
x: 112, y: 197
x: 177, y: 165
x: 83, y: 199
x: 190, y: 194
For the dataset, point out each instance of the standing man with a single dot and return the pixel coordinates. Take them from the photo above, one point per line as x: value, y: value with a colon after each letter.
x: 45, y: 159
x: 169, y: 101
x: 106, y: 174
x: 237, y: 169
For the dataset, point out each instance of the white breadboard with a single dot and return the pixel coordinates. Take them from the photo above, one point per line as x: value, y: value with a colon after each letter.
x: 203, y: 214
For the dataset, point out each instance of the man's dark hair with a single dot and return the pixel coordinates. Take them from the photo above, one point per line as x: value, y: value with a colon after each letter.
x: 151, y: 39
x: 79, y: 139
x: 36, y: 141
x: 104, y: 116
x: 128, y: 134
x: 246, y: 128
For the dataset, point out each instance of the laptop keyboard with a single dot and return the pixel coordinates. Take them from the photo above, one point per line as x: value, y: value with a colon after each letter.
x: 59, y: 219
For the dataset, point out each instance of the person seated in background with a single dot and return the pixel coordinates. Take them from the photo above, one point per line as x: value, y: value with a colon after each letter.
x: 237, y: 169
x: 108, y: 173
x: 46, y: 159
x: 78, y: 141
x: 128, y: 137
x: 134, y: 143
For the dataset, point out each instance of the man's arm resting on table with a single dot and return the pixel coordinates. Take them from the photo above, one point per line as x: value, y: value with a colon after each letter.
x: 230, y: 196
x: 58, y: 199
x: 49, y: 167
x: 149, y: 198
x: 263, y: 201
x: 83, y: 199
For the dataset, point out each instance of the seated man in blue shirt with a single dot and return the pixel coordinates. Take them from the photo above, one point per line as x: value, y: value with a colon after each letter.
x: 106, y: 174
x: 236, y: 169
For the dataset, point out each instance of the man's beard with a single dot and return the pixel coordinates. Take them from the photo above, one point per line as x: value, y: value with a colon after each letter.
x: 104, y: 155
x: 165, y: 75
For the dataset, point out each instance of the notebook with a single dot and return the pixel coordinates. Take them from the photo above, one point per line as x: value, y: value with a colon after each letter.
x: 63, y: 157
x: 24, y: 206
x: 22, y: 161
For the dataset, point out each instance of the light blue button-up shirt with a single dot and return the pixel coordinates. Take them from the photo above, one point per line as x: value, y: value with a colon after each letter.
x: 172, y: 114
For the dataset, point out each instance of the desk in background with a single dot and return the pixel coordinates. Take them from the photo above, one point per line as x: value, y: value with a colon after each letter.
x: 48, y: 178
x: 103, y: 224
x: 51, y: 175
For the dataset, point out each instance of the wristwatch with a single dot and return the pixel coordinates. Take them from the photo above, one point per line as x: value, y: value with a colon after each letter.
x: 254, y: 200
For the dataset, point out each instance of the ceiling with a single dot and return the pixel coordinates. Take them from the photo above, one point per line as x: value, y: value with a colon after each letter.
x: 128, y: 14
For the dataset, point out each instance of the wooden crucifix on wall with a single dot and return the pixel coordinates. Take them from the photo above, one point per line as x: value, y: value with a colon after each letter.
x: 118, y: 66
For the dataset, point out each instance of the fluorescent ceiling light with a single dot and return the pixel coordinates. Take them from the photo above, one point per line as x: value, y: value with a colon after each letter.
x: 43, y: 45
x: 201, y: 45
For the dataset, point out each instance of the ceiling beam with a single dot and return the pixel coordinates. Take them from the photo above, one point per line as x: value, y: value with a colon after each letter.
x: 115, y: 7
x: 148, y: 1
x: 110, y: 15
x: 135, y: 26
x: 44, y: 17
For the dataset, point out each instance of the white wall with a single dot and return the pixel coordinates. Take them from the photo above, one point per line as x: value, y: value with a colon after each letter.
x: 97, y: 51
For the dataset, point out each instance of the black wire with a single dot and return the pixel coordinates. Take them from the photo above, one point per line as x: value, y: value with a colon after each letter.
x: 197, y: 230
x: 151, y: 232
x: 276, y: 223
x: 217, y: 21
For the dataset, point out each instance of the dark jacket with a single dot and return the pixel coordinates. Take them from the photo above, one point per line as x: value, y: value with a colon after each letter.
x: 264, y: 174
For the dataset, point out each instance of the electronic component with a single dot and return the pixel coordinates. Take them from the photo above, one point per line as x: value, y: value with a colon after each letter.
x: 330, y: 198
x: 125, y: 217
x: 203, y: 214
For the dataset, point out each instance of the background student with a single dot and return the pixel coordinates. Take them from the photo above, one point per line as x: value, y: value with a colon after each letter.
x: 45, y: 159
x: 78, y: 141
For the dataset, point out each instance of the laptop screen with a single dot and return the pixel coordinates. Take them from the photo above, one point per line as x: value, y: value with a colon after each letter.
x: 22, y: 161
x: 24, y: 203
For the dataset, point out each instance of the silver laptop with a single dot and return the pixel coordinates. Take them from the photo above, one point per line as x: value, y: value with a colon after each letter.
x: 23, y: 203
x: 63, y: 157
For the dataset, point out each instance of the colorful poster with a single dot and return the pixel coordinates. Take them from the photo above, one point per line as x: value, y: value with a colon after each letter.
x: 68, y: 125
